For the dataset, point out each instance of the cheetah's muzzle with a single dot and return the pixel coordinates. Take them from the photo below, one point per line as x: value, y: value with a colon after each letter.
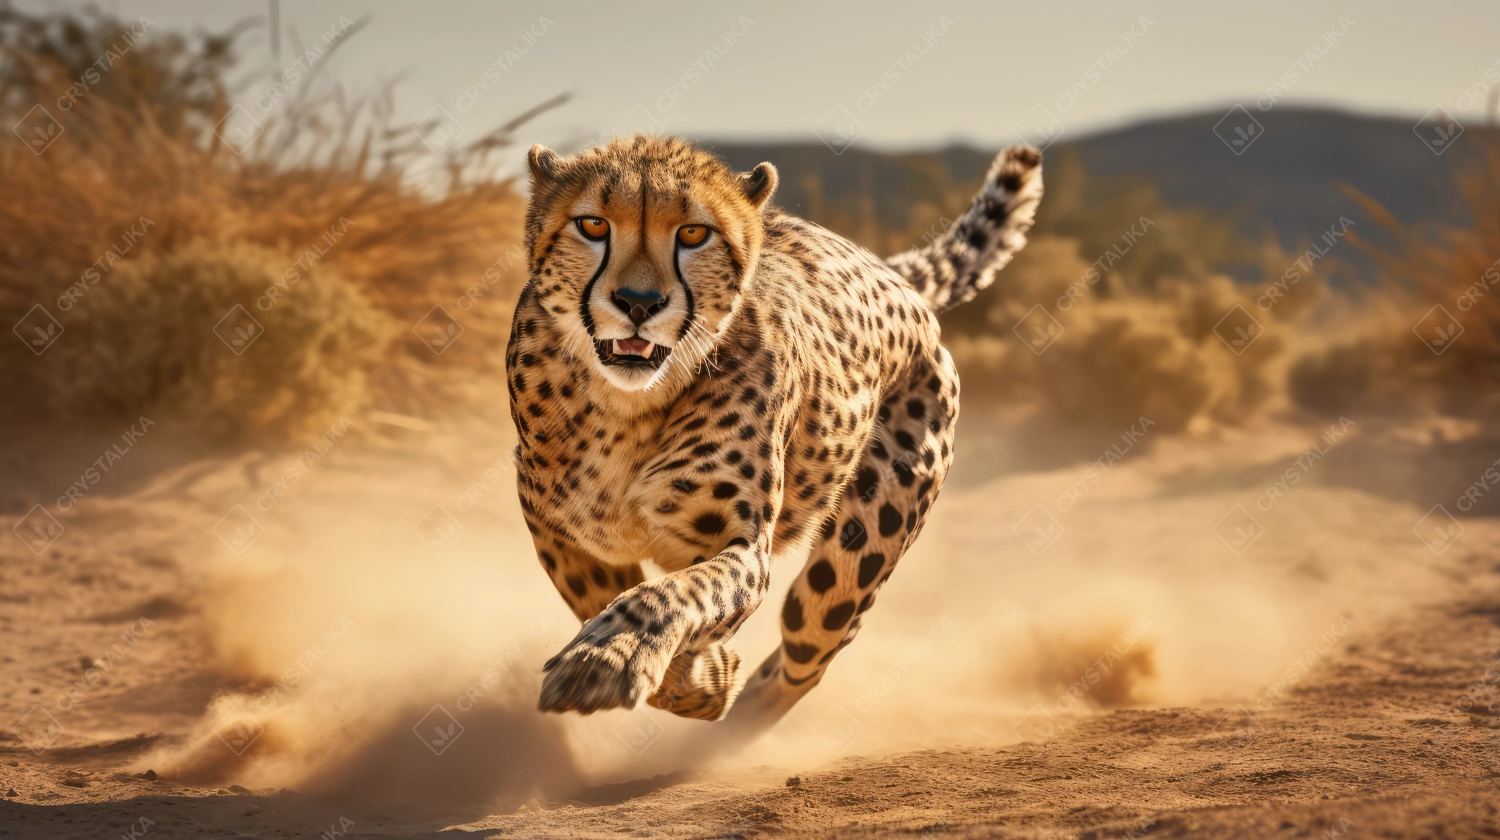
x: 631, y: 352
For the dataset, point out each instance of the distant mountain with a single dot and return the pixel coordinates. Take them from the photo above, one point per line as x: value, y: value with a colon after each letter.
x: 1287, y: 178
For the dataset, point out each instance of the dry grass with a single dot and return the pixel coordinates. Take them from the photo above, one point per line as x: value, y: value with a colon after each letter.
x: 140, y: 145
x: 137, y: 345
x: 1387, y: 363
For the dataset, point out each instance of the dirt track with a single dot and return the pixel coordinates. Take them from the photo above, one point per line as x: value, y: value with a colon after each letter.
x: 1389, y: 731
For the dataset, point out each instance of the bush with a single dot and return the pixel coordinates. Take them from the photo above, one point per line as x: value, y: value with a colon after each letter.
x: 155, y: 339
x: 1124, y: 352
x: 140, y: 145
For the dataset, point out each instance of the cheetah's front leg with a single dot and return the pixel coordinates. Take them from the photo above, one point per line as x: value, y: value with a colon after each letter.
x: 622, y: 655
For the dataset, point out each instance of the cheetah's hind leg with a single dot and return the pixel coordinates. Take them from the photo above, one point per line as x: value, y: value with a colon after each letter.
x: 882, y: 510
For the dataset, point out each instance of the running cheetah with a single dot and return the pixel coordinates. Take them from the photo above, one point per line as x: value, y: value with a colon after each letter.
x: 701, y: 380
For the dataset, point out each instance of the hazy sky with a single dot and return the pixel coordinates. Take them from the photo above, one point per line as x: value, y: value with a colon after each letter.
x: 897, y: 74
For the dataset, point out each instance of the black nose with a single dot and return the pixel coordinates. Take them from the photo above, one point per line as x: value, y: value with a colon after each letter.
x: 639, y: 305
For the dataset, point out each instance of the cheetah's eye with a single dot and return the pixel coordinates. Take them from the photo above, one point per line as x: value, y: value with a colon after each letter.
x: 593, y: 228
x: 692, y: 235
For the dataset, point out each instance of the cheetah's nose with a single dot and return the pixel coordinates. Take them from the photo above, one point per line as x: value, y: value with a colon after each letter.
x: 639, y: 305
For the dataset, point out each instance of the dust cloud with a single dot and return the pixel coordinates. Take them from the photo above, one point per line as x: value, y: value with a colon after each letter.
x: 366, y: 664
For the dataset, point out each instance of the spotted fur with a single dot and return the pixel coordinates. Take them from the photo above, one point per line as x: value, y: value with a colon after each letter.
x: 798, y: 400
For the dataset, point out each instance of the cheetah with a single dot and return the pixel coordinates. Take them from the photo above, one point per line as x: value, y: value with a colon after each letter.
x: 701, y: 381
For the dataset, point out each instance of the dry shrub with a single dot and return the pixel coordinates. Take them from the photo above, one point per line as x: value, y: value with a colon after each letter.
x: 1124, y: 352
x: 138, y: 345
x: 1389, y: 364
x: 140, y: 143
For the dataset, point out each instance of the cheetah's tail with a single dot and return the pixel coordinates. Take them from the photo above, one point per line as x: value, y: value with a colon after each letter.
x: 952, y: 268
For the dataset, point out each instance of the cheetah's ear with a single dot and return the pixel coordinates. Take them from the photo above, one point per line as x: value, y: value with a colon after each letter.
x: 759, y: 183
x: 544, y: 163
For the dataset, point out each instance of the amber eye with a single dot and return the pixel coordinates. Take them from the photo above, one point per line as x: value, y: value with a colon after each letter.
x: 593, y: 227
x: 691, y: 235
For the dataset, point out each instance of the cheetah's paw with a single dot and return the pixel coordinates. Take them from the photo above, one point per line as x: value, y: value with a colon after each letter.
x: 607, y: 665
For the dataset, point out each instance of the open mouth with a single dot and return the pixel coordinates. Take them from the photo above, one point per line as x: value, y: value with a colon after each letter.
x: 631, y: 352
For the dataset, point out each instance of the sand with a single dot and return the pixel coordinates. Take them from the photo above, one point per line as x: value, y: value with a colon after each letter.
x: 367, y: 664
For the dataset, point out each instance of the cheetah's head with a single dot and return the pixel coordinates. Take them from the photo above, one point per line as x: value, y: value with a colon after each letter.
x: 639, y: 249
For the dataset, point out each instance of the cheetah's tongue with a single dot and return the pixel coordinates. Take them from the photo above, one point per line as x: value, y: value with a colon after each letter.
x: 633, y: 347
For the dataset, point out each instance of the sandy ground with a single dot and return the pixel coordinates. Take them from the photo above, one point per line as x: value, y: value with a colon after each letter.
x: 1103, y: 665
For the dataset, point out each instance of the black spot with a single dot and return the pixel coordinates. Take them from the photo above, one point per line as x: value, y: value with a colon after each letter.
x: 890, y: 520
x: 684, y: 486
x: 904, y: 474
x: 821, y: 576
x: 865, y: 603
x: 725, y: 490
x: 709, y: 523
x: 915, y: 408
x: 740, y: 542
x: 904, y: 438
x: 829, y: 526
x: 577, y: 584
x: 791, y: 613
x: 870, y: 566
x: 865, y: 482
x: 852, y: 536
x: 838, y: 616
x: 549, y: 561
x: 544, y: 389
x: 800, y: 654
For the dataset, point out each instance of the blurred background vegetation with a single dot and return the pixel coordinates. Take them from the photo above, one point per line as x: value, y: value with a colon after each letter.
x: 226, y: 227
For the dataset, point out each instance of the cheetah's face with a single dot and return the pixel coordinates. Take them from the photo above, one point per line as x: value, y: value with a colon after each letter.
x: 639, y: 250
